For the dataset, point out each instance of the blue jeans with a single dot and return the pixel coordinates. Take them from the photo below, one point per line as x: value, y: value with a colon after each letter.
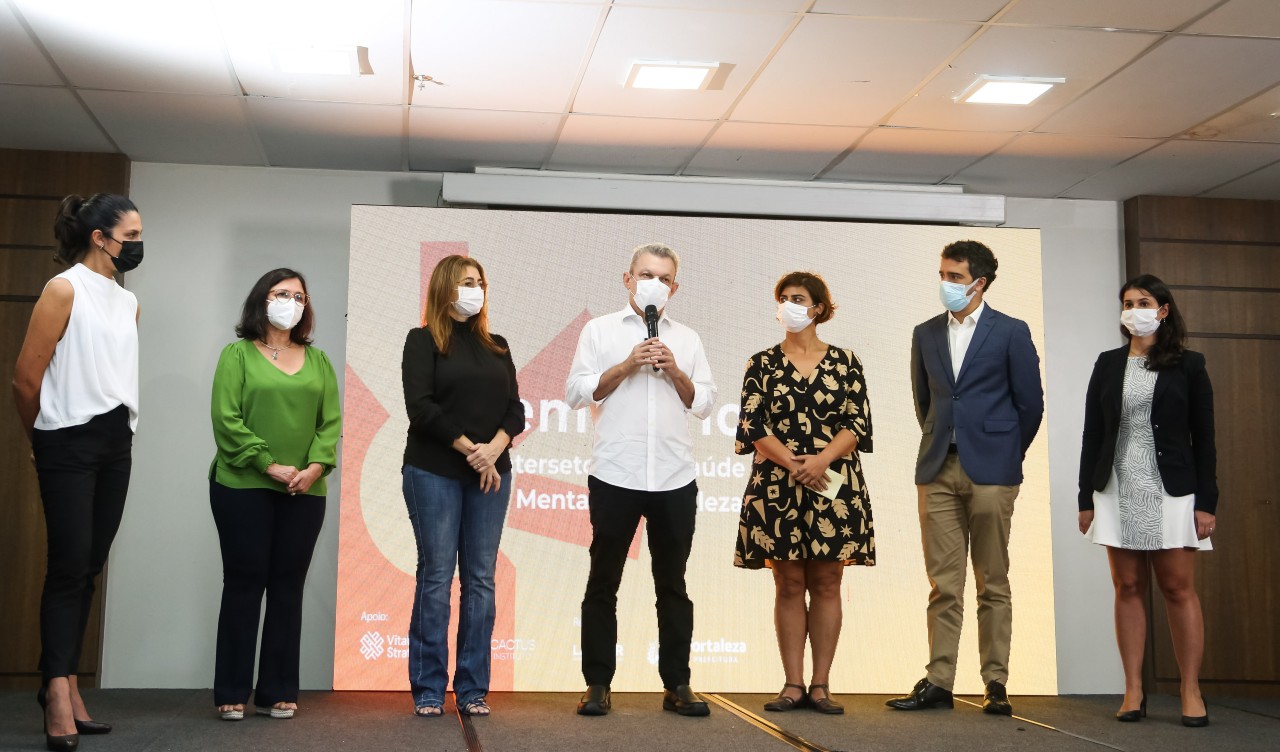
x: 455, y: 525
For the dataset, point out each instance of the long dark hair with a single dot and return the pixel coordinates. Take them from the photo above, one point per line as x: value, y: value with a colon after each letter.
x: 1171, y: 337
x: 253, y: 317
x: 79, y: 217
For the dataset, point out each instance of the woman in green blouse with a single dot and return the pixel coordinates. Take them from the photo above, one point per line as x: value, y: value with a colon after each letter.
x: 276, y: 422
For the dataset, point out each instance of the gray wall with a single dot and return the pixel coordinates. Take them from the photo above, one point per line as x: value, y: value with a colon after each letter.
x: 211, y: 231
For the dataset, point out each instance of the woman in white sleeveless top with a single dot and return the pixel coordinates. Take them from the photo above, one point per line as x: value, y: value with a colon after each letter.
x: 76, y: 389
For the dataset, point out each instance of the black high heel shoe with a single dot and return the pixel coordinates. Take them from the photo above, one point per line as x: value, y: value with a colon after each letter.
x: 1133, y: 716
x: 68, y: 743
x: 1197, y: 721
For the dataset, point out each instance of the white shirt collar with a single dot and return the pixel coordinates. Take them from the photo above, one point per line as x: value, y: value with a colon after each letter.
x: 969, y: 321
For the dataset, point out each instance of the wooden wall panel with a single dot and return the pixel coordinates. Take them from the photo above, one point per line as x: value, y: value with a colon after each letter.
x: 24, y: 271
x: 32, y: 185
x: 1230, y: 312
x: 54, y: 174
x: 1210, y: 265
x: 1222, y: 260
x: 1221, y: 220
x: 27, y: 221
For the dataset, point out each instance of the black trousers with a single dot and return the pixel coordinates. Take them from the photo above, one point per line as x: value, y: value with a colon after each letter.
x: 84, y: 477
x: 615, y: 513
x: 267, y: 538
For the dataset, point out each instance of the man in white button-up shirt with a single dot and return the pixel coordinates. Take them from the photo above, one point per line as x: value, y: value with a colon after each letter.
x: 641, y: 391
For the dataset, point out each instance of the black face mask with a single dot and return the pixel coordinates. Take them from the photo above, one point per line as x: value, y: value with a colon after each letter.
x: 130, y: 255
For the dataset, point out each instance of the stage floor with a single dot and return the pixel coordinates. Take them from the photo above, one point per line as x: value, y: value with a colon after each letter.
x: 155, y: 720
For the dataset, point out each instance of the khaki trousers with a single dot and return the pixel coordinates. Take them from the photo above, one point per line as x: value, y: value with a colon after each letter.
x: 959, y: 518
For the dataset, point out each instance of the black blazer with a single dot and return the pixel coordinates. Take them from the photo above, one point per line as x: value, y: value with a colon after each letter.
x: 1181, y: 420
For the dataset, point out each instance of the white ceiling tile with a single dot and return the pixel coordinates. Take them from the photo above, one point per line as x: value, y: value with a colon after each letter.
x: 1247, y: 18
x: 1263, y: 184
x: 255, y: 30
x: 21, y: 61
x: 1164, y: 15
x: 837, y: 70
x: 1082, y: 57
x: 942, y: 10
x: 904, y: 155
x: 632, y: 34
x: 785, y: 6
x: 644, y: 146
x: 1045, y: 165
x: 795, y: 152
x: 186, y: 128
x: 134, y: 45
x: 1173, y: 87
x: 1255, y: 120
x: 500, y: 55
x: 329, y: 135
x: 51, y: 119
x: 460, y: 140
x: 1177, y: 168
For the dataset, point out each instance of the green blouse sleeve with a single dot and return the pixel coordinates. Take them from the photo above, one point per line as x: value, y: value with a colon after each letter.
x: 237, y: 445
x: 324, y: 447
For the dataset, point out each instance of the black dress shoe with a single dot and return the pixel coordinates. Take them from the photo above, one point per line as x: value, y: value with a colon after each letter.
x: 924, y: 695
x: 596, y: 700
x: 995, y: 701
x: 1133, y: 716
x: 92, y: 727
x: 68, y: 743
x: 1197, y: 721
x: 684, y: 701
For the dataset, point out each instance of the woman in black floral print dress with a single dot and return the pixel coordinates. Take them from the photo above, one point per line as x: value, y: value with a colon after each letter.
x: 805, y: 512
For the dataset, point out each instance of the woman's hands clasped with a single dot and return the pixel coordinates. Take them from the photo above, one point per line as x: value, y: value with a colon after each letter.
x: 811, y: 471
x: 482, y: 457
x: 295, y: 480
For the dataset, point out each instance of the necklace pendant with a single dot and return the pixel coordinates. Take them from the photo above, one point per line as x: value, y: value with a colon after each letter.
x: 275, y: 356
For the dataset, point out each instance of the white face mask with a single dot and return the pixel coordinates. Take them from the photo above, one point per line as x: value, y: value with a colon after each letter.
x: 284, y: 314
x: 470, y: 301
x: 651, y: 292
x: 1140, y: 321
x: 793, y: 316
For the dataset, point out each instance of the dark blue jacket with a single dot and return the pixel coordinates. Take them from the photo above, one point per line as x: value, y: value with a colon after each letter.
x: 995, y: 403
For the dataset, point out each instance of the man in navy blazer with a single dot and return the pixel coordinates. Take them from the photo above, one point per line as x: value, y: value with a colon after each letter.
x: 975, y: 376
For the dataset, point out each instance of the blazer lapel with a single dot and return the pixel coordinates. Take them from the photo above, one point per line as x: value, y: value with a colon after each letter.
x: 985, y: 324
x: 1162, y: 383
x: 941, y: 346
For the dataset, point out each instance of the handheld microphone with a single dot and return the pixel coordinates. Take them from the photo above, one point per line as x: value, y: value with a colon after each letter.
x: 651, y: 321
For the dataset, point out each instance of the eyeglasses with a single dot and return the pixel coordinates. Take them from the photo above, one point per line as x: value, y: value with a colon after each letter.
x: 301, y: 298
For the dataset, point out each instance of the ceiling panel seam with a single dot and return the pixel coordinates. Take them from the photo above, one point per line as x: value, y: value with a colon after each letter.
x: 777, y: 47
x: 66, y: 82
x: 577, y: 84
x: 1145, y: 51
x: 945, y: 64
x: 1239, y: 177
x: 243, y: 99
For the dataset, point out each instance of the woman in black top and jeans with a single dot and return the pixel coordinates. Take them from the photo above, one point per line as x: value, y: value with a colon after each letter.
x: 464, y: 408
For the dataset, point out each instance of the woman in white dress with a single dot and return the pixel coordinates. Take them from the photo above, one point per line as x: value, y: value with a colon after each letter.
x: 1148, y: 483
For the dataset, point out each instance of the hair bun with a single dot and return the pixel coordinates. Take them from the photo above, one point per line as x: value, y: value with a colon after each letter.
x: 71, y: 206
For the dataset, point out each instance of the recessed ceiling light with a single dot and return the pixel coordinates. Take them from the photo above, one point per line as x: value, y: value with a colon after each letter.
x: 1007, y: 89
x: 674, y: 76
x: 321, y: 61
